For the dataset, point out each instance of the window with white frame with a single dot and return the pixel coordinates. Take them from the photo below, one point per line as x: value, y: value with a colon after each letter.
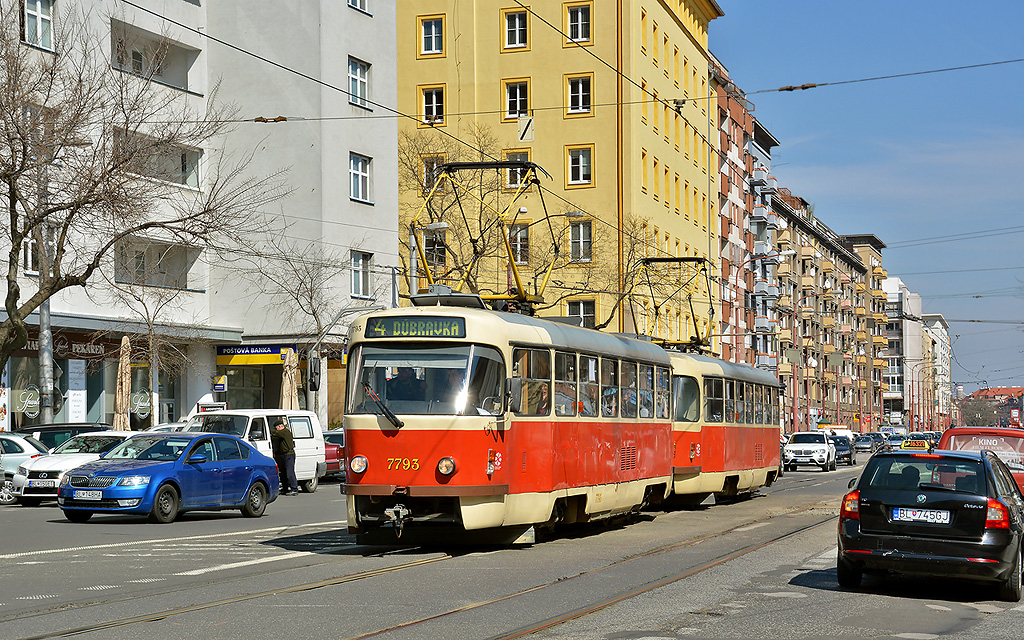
x: 580, y: 241
x: 359, y: 177
x: 430, y: 170
x: 30, y: 256
x: 362, y: 5
x: 362, y: 263
x: 516, y: 175
x: 433, y: 105
x: 358, y: 82
x: 580, y: 165
x: 517, y: 96
x: 39, y: 23
x: 156, y: 264
x: 579, y: 23
x: 585, y: 310
x: 519, y: 240
x: 515, y: 29
x: 433, y: 36
x: 579, y: 95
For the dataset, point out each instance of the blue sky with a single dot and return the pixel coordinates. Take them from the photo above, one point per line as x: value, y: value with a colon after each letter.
x: 905, y: 159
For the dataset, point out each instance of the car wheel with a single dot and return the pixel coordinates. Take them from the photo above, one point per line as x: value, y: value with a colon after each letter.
x: 1010, y: 589
x: 849, y: 577
x: 30, y: 502
x: 255, y: 501
x: 826, y: 467
x: 309, y: 486
x: 7, y: 491
x: 832, y: 467
x: 165, y: 505
x: 77, y: 516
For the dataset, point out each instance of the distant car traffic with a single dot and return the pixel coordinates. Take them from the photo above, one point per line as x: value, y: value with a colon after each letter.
x: 954, y: 514
x: 15, y: 450
x: 162, y: 475
x: 865, y: 444
x: 845, y: 452
x: 37, y: 479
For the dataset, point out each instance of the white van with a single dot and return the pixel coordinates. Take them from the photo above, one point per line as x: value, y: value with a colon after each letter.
x: 254, y: 425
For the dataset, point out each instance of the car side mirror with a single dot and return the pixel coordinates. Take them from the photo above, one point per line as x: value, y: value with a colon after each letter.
x: 197, y: 459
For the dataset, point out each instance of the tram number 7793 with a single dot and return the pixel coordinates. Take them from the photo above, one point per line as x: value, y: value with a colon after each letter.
x: 407, y: 464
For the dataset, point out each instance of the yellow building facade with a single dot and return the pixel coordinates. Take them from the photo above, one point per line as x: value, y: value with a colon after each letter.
x: 612, y: 101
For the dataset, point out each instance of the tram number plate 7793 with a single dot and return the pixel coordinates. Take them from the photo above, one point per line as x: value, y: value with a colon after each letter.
x: 407, y: 464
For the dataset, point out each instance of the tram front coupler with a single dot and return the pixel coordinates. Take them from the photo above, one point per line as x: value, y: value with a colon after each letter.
x: 397, y: 515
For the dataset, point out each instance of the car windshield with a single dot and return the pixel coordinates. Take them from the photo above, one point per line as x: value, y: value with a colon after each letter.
x: 807, y: 438
x: 335, y: 438
x: 864, y: 439
x: 909, y: 473
x: 156, y: 448
x: 1009, y: 448
x: 840, y: 441
x: 219, y: 423
x: 417, y: 378
x: 89, y: 444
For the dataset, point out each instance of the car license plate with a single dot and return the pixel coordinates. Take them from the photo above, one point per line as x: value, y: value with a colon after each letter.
x: 89, y: 495
x: 42, y: 483
x: 936, y: 516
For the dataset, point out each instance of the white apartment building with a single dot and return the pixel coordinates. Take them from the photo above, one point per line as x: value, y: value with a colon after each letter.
x: 329, y: 68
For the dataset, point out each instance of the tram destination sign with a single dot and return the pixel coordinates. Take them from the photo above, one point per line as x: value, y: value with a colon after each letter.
x: 417, y: 327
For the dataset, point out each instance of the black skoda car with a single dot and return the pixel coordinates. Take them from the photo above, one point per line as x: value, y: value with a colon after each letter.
x: 939, y: 513
x: 845, y: 453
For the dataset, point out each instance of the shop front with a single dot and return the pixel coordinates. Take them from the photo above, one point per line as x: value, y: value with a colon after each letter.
x: 249, y: 376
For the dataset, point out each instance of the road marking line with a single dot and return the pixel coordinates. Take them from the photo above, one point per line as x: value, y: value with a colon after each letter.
x: 135, y: 543
x: 247, y: 563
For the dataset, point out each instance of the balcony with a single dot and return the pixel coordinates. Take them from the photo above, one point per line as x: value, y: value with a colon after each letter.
x: 879, y: 272
x: 860, y: 287
x: 767, y: 361
x: 773, y: 220
x: 845, y: 303
x: 810, y: 342
x: 759, y: 177
x: 878, y: 294
x: 785, y: 335
x: 830, y: 376
x: 828, y: 348
x: 784, y: 269
x: 846, y: 381
x: 785, y: 302
x: 762, y: 288
x: 828, y: 321
x: 863, y: 384
x: 807, y: 252
x: 762, y: 248
x: 806, y: 312
x: 845, y: 329
x: 860, y: 311
x: 807, y: 282
x: 861, y: 335
x: 880, y: 363
x: 759, y: 214
x: 879, y: 318
x: 880, y: 341
x: 761, y: 324
x: 860, y: 360
x: 828, y: 266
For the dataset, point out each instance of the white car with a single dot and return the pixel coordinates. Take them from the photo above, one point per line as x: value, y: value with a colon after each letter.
x: 38, y: 479
x: 810, y: 448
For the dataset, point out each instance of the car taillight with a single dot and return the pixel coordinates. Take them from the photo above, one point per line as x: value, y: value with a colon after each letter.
x: 851, y: 506
x: 997, y: 516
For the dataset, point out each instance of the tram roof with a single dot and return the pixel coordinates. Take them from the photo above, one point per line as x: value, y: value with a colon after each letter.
x: 727, y: 369
x: 527, y: 330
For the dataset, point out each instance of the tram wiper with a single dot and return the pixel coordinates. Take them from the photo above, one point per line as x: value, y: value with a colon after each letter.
x: 383, y: 407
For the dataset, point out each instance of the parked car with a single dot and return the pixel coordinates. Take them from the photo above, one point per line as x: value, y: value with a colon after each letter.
x: 15, y: 450
x: 254, y: 426
x: 37, y: 479
x: 810, y: 448
x: 170, y: 426
x: 845, y: 451
x: 1006, y: 443
x: 56, y: 434
x: 865, y: 444
x: 164, y: 474
x: 951, y: 514
x: 336, y: 438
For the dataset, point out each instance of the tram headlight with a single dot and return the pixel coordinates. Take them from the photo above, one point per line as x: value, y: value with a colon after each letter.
x: 446, y: 466
x: 358, y: 464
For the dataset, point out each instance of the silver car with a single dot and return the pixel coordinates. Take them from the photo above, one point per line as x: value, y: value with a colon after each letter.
x: 15, y: 450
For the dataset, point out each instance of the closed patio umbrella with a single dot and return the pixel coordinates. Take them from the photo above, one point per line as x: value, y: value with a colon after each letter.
x: 124, y: 387
x: 290, y: 381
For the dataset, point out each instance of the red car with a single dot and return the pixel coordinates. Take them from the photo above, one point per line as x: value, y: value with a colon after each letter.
x: 1006, y: 443
x: 334, y: 450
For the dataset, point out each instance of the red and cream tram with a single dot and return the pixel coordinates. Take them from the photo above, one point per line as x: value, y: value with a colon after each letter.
x: 486, y: 424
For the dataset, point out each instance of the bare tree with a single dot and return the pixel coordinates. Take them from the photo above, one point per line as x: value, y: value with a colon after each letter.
x: 95, y: 155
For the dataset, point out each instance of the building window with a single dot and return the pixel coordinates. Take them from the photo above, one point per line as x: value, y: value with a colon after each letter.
x: 359, y: 177
x: 517, y: 98
x: 515, y: 30
x: 361, y: 265
x: 585, y: 310
x: 149, y: 158
x: 580, y: 242
x: 433, y: 36
x: 578, y: 23
x: 579, y: 95
x: 359, y: 4
x: 519, y: 240
x: 39, y: 23
x: 430, y: 171
x: 433, y: 105
x: 580, y: 163
x: 516, y: 175
x: 435, y: 249
x: 156, y: 264
x: 358, y: 82
x: 30, y: 256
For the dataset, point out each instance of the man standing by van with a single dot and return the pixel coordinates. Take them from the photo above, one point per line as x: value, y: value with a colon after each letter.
x: 284, y: 455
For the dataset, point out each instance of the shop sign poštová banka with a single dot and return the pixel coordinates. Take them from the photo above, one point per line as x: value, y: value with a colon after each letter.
x: 253, y: 354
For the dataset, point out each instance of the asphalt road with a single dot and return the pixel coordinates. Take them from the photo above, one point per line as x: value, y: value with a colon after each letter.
x: 762, y: 567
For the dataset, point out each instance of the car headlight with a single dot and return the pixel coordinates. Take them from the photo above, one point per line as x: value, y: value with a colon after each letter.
x: 65, y: 478
x: 22, y: 471
x: 359, y: 464
x: 133, y: 481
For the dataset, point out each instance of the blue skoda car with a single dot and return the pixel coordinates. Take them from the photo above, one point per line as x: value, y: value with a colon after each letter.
x: 163, y: 474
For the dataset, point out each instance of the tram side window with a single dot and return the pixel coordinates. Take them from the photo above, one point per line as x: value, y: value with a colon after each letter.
x: 713, y: 400
x: 775, y: 405
x: 533, y: 366
x: 628, y: 370
x: 646, y: 395
x: 759, y: 403
x: 686, y: 399
x: 565, y: 384
x: 609, y: 388
x: 590, y: 388
x: 731, y: 409
x: 661, y: 395
x: 748, y: 402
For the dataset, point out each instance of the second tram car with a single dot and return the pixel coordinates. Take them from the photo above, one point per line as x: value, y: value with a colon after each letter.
x: 466, y: 422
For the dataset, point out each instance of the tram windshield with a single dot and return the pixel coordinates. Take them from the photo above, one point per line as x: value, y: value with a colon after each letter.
x: 417, y: 378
